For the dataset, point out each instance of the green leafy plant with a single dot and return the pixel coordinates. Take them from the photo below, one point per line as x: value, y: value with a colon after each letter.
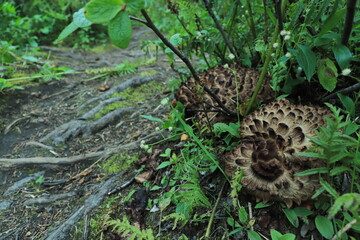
x: 130, y: 231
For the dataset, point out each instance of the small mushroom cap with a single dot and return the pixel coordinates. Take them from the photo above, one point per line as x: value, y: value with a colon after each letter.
x: 271, y: 137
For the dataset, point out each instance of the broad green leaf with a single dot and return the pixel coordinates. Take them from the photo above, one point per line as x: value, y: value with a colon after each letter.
x: 232, y: 129
x: 100, y: 11
x: 133, y: 6
x: 351, y: 128
x: 327, y: 74
x: 80, y: 19
x: 119, y: 29
x: 164, y: 164
x: 312, y: 171
x: 348, y: 103
x: 307, y: 60
x: 324, y: 226
x: 332, y: 21
x: 66, y: 32
x: 243, y: 215
x: 291, y: 216
x: 343, y: 55
x: 262, y: 205
x: 252, y: 235
x: 302, y: 212
x: 275, y: 235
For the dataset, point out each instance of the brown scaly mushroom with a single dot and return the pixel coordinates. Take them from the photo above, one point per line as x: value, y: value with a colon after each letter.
x: 271, y: 136
x: 233, y: 85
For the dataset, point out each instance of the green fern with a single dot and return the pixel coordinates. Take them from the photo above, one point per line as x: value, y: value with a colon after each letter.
x: 129, y: 231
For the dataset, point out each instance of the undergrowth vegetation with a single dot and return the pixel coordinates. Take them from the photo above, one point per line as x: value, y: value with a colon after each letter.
x: 310, y: 48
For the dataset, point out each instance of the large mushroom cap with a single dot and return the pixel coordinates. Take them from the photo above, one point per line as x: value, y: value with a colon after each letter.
x: 271, y: 136
x: 233, y: 85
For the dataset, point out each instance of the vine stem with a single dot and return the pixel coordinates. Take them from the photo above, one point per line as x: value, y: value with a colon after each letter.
x: 223, y: 34
x: 149, y: 23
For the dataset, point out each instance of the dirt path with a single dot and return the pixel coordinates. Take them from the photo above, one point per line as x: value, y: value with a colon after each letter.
x: 51, y: 133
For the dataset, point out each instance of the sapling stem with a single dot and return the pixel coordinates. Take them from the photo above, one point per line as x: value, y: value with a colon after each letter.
x: 350, y: 13
x: 266, y: 64
x: 218, y: 26
x: 252, y: 23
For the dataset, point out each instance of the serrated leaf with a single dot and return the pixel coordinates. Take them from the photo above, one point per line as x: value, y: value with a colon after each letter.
x: 343, y: 55
x: 311, y: 154
x: 224, y: 128
x: 80, y: 20
x: 324, y: 226
x: 133, y: 6
x: 243, y: 215
x: 307, y: 60
x: 327, y: 74
x: 175, y: 39
x: 332, y: 21
x: 100, y: 11
x: 66, y: 32
x: 119, y: 29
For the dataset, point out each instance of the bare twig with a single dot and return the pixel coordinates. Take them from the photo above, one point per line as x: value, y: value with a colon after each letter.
x: 344, y: 229
x: 345, y: 90
x: 151, y: 25
x: 218, y: 26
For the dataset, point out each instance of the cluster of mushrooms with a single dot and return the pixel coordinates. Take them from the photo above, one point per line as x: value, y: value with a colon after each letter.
x: 271, y: 137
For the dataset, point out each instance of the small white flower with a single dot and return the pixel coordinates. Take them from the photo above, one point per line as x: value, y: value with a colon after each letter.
x: 283, y: 32
x: 243, y: 16
x: 273, y: 55
x: 149, y: 150
x: 231, y: 56
x: 209, y: 39
x: 142, y: 146
x: 246, y: 11
x: 226, y: 66
x: 299, y: 69
x: 275, y: 45
x: 287, y: 37
x: 346, y: 71
x: 142, y: 142
x: 146, y: 147
x: 288, y: 55
x: 288, y: 33
x: 170, y: 129
x: 157, y: 129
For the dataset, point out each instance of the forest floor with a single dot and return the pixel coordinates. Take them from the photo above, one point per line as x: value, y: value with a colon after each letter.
x: 65, y: 144
x: 52, y: 133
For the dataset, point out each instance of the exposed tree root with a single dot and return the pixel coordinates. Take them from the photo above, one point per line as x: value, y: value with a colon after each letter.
x: 76, y: 128
x: 94, y: 200
x: 153, y: 137
x: 132, y: 82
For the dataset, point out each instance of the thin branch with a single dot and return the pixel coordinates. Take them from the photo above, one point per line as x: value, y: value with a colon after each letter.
x: 345, y: 90
x: 350, y: 13
x: 218, y: 26
x: 151, y: 25
x: 252, y: 23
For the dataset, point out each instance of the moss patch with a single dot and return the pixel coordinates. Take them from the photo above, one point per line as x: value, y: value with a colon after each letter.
x: 119, y: 162
x: 131, y: 97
